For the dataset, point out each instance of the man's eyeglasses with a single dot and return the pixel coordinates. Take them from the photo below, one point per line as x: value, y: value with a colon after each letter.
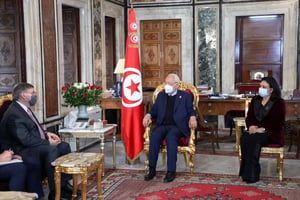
x: 32, y: 93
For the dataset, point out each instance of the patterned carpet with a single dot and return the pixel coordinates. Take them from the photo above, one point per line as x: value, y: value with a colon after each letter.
x: 121, y: 184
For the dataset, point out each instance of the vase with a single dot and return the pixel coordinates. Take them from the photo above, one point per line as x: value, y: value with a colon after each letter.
x: 82, y: 112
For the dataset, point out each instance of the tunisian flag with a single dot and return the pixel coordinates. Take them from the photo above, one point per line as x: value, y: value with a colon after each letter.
x: 132, y: 95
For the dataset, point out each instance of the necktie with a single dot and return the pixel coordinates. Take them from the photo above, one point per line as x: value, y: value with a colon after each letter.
x: 38, y: 125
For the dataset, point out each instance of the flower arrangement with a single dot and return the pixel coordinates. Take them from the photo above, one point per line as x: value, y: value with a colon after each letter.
x: 81, y: 94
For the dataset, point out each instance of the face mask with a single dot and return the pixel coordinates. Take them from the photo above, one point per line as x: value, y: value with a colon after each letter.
x: 263, y: 92
x: 33, y: 100
x: 169, y: 89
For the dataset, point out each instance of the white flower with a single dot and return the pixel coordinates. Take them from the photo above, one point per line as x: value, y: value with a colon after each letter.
x: 79, y: 85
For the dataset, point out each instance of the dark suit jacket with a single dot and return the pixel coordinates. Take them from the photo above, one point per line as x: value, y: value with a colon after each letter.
x: 18, y: 131
x: 273, y: 122
x: 183, y: 110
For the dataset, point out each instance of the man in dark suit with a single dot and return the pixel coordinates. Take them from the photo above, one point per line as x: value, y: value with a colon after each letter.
x: 21, y: 132
x: 174, y: 114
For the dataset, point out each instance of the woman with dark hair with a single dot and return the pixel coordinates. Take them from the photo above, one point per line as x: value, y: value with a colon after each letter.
x: 265, y: 125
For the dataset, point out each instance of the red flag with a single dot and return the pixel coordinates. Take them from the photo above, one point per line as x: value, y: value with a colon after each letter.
x: 132, y: 95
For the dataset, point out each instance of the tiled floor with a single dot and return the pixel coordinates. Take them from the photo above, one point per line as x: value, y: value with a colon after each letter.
x: 205, y: 163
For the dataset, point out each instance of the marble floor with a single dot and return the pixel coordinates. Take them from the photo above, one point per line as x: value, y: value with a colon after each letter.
x: 204, y: 163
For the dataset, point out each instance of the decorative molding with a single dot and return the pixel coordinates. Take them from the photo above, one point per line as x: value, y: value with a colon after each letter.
x: 33, y: 46
x: 207, y: 1
x: 7, y: 50
x: 116, y: 12
x: 158, y: 1
x: 290, y: 11
x: 86, y: 41
x: 97, y: 5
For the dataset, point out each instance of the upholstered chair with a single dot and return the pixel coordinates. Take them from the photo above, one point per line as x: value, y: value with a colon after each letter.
x: 269, y: 149
x: 186, y: 145
x: 207, y: 131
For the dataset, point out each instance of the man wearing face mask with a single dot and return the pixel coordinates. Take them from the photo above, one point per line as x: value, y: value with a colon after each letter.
x: 21, y: 132
x: 174, y: 114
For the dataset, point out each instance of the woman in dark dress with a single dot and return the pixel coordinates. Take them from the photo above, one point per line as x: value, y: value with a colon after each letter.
x: 265, y: 125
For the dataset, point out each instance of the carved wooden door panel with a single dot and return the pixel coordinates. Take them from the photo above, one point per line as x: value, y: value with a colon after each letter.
x: 160, y: 50
x: 71, y: 36
x: 12, y: 55
x: 110, y: 50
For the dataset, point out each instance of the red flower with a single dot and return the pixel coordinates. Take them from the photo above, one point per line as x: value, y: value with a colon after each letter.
x: 81, y: 94
x: 64, y: 89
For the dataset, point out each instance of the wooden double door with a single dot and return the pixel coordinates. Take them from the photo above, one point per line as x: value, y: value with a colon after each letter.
x: 160, y: 50
x: 259, y: 47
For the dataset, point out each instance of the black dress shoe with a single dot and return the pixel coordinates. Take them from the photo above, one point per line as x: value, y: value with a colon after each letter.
x: 150, y: 174
x: 63, y: 196
x: 250, y: 181
x: 68, y: 189
x: 170, y: 176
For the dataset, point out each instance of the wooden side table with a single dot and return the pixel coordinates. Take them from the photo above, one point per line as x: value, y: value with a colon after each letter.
x: 109, y: 129
x: 75, y: 164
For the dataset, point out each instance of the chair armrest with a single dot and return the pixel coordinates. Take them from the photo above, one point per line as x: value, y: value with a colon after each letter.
x: 192, y: 138
x: 147, y: 131
x: 147, y: 134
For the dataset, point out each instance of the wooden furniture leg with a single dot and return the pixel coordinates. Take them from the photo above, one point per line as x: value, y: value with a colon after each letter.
x: 99, y: 178
x: 75, y: 179
x: 75, y: 164
x: 57, y: 184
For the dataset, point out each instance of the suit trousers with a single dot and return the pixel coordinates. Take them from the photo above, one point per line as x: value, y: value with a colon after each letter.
x: 15, y: 174
x: 251, y: 147
x: 34, y: 176
x: 171, y: 134
x: 25, y: 176
x: 47, y: 154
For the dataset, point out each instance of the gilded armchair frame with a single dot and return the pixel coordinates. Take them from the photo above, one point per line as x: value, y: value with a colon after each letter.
x: 279, y: 151
x: 185, y: 150
x: 4, y: 98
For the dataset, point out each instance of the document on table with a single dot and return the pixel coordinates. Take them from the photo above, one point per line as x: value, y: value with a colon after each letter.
x: 10, y: 162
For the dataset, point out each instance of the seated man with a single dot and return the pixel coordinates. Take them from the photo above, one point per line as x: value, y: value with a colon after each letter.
x: 20, y: 131
x: 21, y: 176
x: 174, y: 114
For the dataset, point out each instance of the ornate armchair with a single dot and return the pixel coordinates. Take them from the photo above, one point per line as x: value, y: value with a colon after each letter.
x: 5, y: 101
x: 269, y: 149
x: 186, y: 145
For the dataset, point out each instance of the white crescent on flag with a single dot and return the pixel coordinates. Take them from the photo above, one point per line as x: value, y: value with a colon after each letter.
x: 132, y: 88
